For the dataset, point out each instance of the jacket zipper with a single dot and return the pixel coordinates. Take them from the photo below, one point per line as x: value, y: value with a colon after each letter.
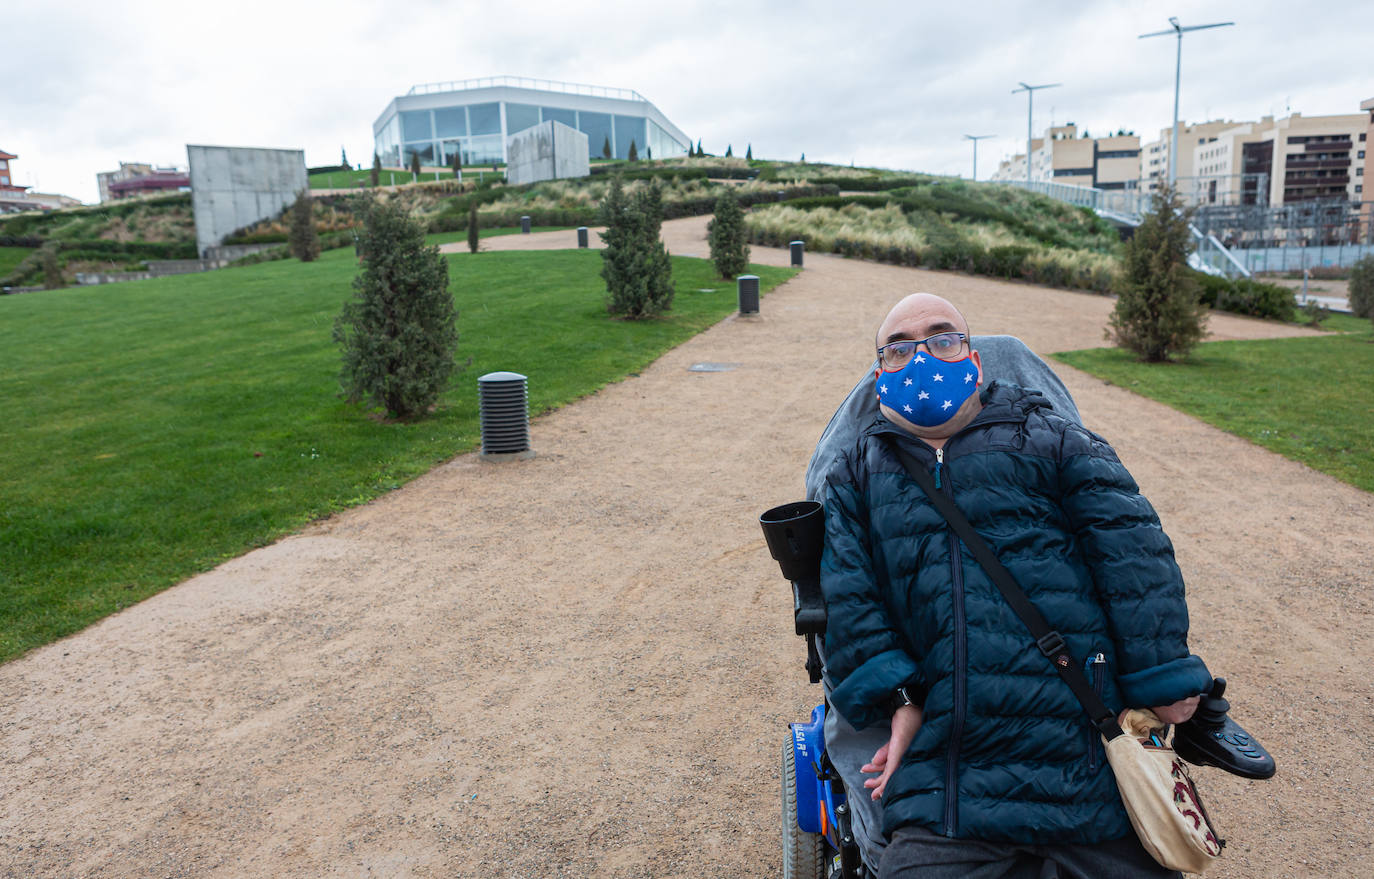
x: 1096, y: 667
x: 960, y: 668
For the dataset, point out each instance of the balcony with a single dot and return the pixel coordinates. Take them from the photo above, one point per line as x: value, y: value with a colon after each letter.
x: 1327, y: 146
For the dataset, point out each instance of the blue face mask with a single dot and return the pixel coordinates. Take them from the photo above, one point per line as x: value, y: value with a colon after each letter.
x: 928, y: 391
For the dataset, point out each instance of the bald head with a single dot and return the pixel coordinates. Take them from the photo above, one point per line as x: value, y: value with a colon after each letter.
x: 918, y: 316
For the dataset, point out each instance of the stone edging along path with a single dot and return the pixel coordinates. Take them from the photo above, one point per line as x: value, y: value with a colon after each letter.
x: 582, y: 663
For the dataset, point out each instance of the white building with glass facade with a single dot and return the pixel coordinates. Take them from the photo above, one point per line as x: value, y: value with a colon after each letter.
x: 476, y: 117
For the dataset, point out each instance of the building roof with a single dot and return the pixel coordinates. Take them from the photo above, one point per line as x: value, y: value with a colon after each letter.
x: 525, y: 82
x: 5, y: 155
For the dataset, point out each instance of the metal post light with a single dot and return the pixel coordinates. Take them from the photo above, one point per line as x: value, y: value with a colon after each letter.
x: 1179, y: 30
x: 1030, y: 96
x: 975, y: 138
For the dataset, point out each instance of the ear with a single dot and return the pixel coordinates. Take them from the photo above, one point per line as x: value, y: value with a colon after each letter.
x: 978, y: 362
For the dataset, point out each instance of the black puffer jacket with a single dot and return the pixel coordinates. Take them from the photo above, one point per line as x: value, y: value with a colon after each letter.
x: 1005, y: 751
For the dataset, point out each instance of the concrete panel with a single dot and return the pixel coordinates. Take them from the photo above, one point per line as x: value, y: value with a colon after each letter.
x: 548, y: 151
x: 233, y: 187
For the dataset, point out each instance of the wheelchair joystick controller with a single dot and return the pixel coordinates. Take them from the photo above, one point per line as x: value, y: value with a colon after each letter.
x: 1213, y: 738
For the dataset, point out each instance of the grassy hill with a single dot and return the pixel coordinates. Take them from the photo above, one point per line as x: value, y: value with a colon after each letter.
x: 156, y: 428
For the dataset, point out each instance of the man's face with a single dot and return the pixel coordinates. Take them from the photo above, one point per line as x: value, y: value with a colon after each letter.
x: 921, y: 316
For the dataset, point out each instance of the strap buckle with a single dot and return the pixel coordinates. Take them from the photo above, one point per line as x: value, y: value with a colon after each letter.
x: 1051, y: 644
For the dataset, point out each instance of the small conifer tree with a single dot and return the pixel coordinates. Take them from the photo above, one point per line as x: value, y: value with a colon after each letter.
x: 474, y: 240
x: 700, y: 152
x: 633, y: 155
x: 729, y: 151
x: 635, y: 264
x: 1361, y: 291
x: 1158, y: 313
x: 414, y: 166
x: 649, y: 153
x: 725, y: 232
x: 301, y: 238
x: 398, y: 333
x: 376, y: 169
x: 52, y: 271
x: 343, y: 159
x: 803, y: 158
x: 606, y: 147
x: 749, y: 153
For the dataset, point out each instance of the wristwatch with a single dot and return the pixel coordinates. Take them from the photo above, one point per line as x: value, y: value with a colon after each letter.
x: 899, y: 698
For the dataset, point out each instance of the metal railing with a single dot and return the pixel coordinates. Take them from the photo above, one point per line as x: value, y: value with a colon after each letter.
x: 524, y: 82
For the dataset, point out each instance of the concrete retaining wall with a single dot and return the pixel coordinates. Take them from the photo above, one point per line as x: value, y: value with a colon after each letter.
x: 548, y: 151
x: 233, y: 187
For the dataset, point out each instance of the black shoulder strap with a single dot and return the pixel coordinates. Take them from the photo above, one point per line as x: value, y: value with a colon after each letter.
x: 1050, y: 642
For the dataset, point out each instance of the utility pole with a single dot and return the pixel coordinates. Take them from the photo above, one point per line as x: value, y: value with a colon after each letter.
x: 975, y: 138
x: 1179, y: 30
x: 1030, y: 97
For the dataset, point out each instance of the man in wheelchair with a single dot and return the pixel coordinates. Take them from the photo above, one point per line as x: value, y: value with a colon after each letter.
x: 961, y: 751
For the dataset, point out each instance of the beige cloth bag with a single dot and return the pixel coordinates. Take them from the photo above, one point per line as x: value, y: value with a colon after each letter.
x: 1160, y: 796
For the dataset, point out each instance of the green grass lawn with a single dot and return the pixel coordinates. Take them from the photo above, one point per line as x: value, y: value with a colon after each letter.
x: 1307, y: 399
x: 10, y: 257
x: 156, y: 428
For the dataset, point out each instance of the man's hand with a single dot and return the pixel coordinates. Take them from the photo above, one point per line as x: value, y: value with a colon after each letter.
x: 1178, y: 712
x: 905, y: 723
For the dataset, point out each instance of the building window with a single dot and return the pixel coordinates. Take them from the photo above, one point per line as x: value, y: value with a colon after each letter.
x: 484, y: 119
x: 451, y: 122
x: 415, y: 125
x: 521, y: 116
x: 1360, y: 154
x: 558, y: 114
x: 4, y: 180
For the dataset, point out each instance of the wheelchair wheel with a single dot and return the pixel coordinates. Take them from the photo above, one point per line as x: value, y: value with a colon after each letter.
x: 803, y: 854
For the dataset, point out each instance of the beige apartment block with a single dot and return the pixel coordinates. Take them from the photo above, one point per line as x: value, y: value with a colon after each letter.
x: 1062, y: 156
x: 1307, y: 158
x: 1154, y: 156
x: 1364, y: 187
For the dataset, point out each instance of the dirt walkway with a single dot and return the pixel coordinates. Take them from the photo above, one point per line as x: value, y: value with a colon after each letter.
x: 581, y: 664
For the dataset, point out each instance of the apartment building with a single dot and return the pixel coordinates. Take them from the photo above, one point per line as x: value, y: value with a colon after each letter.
x: 1063, y: 156
x: 1154, y: 156
x: 1283, y: 161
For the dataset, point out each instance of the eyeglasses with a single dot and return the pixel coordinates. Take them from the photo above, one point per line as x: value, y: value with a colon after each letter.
x: 946, y: 346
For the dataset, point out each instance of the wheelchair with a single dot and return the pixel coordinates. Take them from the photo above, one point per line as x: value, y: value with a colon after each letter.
x: 818, y: 840
x: 818, y: 825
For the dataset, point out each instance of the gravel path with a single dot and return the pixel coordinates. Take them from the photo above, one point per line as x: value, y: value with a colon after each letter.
x: 581, y: 663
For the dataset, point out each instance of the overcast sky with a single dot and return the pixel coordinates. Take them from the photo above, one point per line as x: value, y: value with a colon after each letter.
x: 892, y: 84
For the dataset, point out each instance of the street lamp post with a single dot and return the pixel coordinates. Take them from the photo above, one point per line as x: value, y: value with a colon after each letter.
x: 1179, y: 30
x: 1030, y: 95
x: 975, y: 138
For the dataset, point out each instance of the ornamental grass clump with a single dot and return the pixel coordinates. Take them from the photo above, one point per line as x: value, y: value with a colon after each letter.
x: 398, y: 333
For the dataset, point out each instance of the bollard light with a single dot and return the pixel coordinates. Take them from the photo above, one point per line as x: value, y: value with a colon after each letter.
x: 503, y: 405
x: 581, y: 236
x: 797, y: 248
x: 748, y: 294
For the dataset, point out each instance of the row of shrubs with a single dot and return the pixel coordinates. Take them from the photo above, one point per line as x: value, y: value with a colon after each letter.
x: 693, y: 172
x: 875, y: 183
x: 947, y: 202
x: 454, y: 217
x: 1010, y: 261
x: 1249, y: 297
x: 31, y: 223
